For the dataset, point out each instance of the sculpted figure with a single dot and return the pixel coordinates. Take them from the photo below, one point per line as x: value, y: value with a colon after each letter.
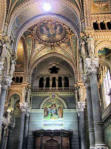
x: 91, y: 46
x: 83, y: 51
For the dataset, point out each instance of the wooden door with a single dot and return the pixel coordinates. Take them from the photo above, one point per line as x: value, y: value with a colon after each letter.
x: 51, y: 144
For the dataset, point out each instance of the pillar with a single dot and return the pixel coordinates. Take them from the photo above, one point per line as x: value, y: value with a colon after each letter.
x: 27, y: 117
x: 50, y: 82
x: 63, y: 82
x: 1, y: 72
x: 56, y: 82
x: 23, y: 107
x: 92, y: 65
x: 81, y: 106
x: 90, y: 112
x: 4, y: 86
x: 44, y: 82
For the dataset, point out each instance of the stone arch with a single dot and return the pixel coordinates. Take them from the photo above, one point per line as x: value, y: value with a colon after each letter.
x: 56, y: 55
x: 14, y: 93
x: 102, y: 44
x: 17, y: 97
x: 106, y: 63
x: 73, y: 6
x: 13, y: 101
x: 26, y: 21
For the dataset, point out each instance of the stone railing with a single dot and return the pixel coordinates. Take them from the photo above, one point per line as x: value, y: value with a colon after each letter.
x: 36, y: 89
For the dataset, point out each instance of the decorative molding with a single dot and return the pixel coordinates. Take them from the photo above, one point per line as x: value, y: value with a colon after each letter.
x: 57, y: 92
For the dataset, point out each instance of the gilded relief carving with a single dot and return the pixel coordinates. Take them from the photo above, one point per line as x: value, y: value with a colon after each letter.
x: 100, y: 6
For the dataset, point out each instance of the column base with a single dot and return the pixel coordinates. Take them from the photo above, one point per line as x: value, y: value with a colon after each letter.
x: 101, y: 146
x: 92, y: 147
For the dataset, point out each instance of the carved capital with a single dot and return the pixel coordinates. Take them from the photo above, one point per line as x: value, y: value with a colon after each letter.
x: 24, y: 106
x: 86, y: 80
x: 81, y: 105
x: 6, y: 82
x: 91, y: 65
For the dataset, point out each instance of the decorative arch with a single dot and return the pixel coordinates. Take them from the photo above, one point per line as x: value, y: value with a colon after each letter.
x: 20, y: 23
x: 105, y: 63
x: 13, y: 93
x: 73, y: 7
x: 101, y: 45
x: 17, y: 99
x: 14, y: 100
x: 49, y: 55
x: 37, y: 19
x: 57, y: 97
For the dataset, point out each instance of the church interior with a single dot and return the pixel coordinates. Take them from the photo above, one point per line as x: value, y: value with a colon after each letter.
x: 55, y: 74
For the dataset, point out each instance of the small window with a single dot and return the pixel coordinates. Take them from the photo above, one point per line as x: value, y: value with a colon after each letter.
x: 95, y: 26
x: 66, y: 82
x: 53, y: 82
x: 60, y: 82
x: 47, y: 82
x: 102, y: 26
x: 41, y: 82
x: 109, y: 25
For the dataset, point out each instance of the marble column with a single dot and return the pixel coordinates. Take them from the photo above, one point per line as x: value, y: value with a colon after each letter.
x: 92, y: 65
x: 27, y: 117
x: 1, y: 73
x: 90, y: 112
x: 23, y: 107
x: 81, y: 106
x: 5, y: 138
x: 4, y: 86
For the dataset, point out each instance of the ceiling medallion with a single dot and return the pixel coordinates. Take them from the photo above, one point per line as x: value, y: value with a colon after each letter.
x: 51, y: 32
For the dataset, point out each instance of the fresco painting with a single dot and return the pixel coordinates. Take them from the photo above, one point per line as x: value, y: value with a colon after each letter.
x: 53, y: 110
